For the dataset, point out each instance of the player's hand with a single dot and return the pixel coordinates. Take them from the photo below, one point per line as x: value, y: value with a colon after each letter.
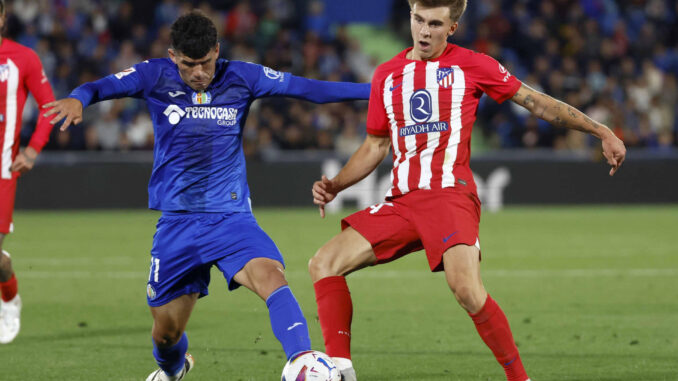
x: 24, y: 161
x: 323, y: 191
x: 69, y: 108
x: 614, y: 151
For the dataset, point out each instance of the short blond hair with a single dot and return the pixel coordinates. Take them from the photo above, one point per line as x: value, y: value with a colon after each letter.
x: 457, y: 7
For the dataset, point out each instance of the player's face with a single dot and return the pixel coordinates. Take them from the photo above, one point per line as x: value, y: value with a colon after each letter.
x: 430, y: 29
x: 196, y: 73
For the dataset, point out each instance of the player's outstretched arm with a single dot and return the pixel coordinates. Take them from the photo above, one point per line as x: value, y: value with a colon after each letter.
x: 372, y: 152
x: 563, y: 115
x: 68, y: 108
x: 326, y: 91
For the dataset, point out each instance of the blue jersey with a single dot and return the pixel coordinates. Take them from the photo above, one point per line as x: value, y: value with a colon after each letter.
x: 199, y: 165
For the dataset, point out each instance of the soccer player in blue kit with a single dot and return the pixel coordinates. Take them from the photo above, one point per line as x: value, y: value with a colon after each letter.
x: 198, y: 104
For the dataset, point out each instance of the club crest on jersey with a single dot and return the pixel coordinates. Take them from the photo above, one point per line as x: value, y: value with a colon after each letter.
x: 202, y: 98
x: 4, y: 72
x: 445, y: 77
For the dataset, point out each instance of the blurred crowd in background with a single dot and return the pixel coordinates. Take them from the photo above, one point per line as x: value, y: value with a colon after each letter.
x: 615, y: 60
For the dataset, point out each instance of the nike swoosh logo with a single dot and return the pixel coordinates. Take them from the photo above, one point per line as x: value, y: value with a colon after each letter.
x: 294, y: 325
x: 175, y: 94
x: 395, y: 87
x: 448, y: 237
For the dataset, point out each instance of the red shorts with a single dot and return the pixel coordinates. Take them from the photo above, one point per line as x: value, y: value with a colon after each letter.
x: 434, y: 220
x: 7, y: 193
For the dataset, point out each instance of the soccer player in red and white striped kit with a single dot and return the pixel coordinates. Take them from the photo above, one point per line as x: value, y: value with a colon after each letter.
x: 20, y: 72
x: 423, y: 106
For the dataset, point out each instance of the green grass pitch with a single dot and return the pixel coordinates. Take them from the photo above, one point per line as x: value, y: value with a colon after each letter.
x: 591, y: 294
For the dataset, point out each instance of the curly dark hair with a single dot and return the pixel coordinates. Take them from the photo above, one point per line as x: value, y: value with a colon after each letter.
x: 194, y: 35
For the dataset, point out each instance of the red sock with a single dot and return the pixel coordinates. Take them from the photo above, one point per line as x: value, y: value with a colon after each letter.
x: 494, y: 329
x: 335, y: 311
x: 8, y: 289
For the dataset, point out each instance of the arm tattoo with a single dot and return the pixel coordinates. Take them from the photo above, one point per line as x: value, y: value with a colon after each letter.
x: 529, y: 102
x: 559, y: 122
x: 572, y: 113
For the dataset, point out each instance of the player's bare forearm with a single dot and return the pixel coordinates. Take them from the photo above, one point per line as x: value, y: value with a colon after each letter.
x: 558, y: 113
x: 365, y: 160
x: 561, y: 114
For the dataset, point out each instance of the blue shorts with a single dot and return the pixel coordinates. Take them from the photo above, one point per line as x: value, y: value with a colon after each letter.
x: 186, y: 245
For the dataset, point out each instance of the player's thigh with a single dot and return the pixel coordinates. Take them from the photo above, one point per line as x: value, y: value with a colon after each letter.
x: 462, y: 273
x: 377, y: 234
x: 262, y: 276
x: 444, y: 218
x: 344, y: 253
x: 7, y: 196
x: 176, y: 267
x: 245, y: 254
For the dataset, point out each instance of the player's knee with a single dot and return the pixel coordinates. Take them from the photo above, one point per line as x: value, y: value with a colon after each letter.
x: 468, y: 295
x: 322, y: 264
x: 164, y: 337
x: 5, y: 263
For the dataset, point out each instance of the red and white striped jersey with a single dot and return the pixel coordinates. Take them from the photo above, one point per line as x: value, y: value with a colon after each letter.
x: 20, y: 72
x: 428, y: 109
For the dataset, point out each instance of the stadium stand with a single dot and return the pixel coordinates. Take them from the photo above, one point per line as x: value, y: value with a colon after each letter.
x: 615, y: 60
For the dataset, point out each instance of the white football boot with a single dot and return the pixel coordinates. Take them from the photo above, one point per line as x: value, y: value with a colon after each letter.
x: 345, y: 367
x: 348, y: 374
x: 160, y: 375
x: 10, y: 319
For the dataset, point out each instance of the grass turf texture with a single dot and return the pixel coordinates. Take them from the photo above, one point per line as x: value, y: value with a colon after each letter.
x: 590, y: 293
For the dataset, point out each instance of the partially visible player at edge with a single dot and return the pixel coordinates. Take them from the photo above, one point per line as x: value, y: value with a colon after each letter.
x: 423, y: 105
x: 20, y: 72
x: 198, y: 104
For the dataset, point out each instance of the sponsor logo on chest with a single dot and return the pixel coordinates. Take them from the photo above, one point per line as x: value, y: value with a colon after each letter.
x: 421, y: 111
x: 225, y: 116
x: 423, y: 128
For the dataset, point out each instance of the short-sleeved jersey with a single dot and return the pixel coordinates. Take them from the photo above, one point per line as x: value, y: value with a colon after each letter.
x: 428, y: 109
x: 199, y: 164
x: 20, y: 72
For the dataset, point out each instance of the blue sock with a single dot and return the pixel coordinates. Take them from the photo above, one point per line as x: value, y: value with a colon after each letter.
x: 171, y: 359
x: 287, y: 321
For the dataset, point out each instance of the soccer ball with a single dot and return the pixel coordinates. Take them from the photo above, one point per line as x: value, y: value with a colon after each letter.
x: 310, y: 366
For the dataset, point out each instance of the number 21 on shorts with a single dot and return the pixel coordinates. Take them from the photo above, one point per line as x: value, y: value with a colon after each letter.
x: 155, y: 270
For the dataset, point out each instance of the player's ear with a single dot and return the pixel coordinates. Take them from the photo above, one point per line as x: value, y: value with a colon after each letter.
x: 453, y: 29
x: 217, y: 49
x: 172, y: 55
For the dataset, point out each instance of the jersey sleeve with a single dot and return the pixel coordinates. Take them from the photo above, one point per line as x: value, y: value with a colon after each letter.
x: 265, y: 82
x: 127, y: 83
x: 377, y: 120
x: 38, y: 84
x: 494, y: 80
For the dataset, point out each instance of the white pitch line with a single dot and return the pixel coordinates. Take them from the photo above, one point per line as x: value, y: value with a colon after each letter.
x: 56, y: 274
x: 387, y: 274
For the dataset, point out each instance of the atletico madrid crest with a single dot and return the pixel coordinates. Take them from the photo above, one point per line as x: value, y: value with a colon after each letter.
x: 445, y: 77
